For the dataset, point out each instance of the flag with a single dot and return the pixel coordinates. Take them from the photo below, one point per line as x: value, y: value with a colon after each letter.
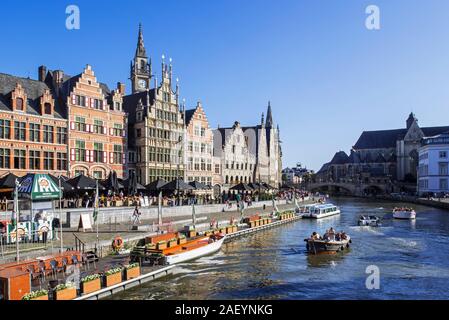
x: 96, y: 204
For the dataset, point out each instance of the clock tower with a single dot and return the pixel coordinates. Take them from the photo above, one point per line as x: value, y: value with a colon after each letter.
x: 140, y: 67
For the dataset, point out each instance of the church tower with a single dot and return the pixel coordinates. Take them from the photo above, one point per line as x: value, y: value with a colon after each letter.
x: 140, y: 67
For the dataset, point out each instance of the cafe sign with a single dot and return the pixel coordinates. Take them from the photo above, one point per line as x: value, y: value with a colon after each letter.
x: 38, y: 187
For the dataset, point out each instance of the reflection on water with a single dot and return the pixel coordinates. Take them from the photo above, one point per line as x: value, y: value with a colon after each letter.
x: 273, y: 264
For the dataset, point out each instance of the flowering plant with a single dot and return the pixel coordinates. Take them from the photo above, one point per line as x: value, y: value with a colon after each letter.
x: 132, y: 266
x: 113, y: 271
x: 92, y: 277
x: 35, y: 294
x: 64, y: 286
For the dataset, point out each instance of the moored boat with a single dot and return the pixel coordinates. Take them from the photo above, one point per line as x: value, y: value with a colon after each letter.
x: 371, y: 221
x: 330, y: 243
x: 180, y: 251
x: 322, y: 211
x: 404, y: 213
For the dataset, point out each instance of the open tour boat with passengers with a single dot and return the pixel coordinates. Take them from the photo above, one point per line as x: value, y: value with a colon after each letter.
x: 404, y: 213
x: 169, y: 249
x: 330, y: 243
x: 322, y: 211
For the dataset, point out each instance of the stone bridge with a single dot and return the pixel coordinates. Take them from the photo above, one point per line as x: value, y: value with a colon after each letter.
x: 347, y: 188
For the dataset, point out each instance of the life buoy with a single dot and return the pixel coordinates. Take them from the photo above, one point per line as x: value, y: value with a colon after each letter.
x: 117, y: 243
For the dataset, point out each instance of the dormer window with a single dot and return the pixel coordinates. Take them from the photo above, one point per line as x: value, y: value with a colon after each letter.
x: 19, y: 104
x: 139, y: 116
x: 47, y: 108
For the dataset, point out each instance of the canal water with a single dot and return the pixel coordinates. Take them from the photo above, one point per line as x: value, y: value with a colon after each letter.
x: 412, y: 257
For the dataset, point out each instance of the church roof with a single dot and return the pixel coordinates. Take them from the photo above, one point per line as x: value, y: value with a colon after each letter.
x: 324, y: 168
x: 387, y: 138
x: 340, y: 158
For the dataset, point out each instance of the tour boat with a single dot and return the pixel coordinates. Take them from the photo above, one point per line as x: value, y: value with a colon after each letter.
x: 404, y: 213
x: 199, y: 248
x: 329, y: 246
x: 371, y: 221
x: 322, y: 211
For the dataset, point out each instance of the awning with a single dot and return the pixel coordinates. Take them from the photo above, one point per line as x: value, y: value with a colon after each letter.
x: 38, y: 187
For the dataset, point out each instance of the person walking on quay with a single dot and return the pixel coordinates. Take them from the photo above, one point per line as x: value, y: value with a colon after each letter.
x: 136, y: 216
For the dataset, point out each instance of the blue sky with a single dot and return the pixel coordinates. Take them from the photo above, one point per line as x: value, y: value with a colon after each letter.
x: 327, y: 76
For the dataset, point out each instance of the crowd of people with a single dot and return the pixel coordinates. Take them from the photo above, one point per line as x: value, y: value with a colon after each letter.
x: 330, y: 235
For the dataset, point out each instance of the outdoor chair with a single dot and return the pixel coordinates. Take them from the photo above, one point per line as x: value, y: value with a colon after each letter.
x: 64, y: 263
x: 42, y: 270
x: 55, y: 268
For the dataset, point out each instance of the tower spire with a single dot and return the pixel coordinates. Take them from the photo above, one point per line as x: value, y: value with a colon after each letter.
x: 140, y: 51
x: 269, y: 123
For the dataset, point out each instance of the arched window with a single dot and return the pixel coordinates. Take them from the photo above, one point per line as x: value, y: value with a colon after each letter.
x: 19, y: 104
x: 227, y: 179
x: 142, y: 65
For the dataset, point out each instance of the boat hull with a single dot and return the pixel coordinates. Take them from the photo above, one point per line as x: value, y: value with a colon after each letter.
x: 404, y: 215
x: 195, y: 253
x: 329, y: 247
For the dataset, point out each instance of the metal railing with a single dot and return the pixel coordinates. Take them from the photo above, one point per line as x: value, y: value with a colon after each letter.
x: 28, y: 241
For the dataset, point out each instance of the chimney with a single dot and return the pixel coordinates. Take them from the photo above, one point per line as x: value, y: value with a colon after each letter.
x: 58, y: 76
x: 42, y: 73
x: 121, y: 88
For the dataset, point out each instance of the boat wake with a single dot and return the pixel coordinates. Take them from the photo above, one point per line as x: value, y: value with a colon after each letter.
x: 405, y: 243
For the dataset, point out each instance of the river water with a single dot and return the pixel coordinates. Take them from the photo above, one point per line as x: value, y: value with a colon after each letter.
x: 412, y: 257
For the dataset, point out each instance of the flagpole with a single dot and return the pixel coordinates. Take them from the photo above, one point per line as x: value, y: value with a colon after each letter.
x: 60, y: 213
x: 96, y: 209
x: 16, y: 217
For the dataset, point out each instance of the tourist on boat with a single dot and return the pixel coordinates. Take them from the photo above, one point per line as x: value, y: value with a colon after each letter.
x: 315, y: 236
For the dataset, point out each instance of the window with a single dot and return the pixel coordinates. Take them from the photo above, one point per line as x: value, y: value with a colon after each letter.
x: 98, y: 126
x: 203, y: 164
x: 35, y: 160
x: 118, y: 154
x: 190, y: 163
x: 80, y: 101
x: 19, y: 104
x: 61, y: 161
x: 98, y: 104
x: 217, y: 169
x: 80, y: 150
x: 118, y: 130
x: 49, y: 160
x: 209, y: 164
x: 203, y: 132
x: 79, y: 172
x: 443, y: 184
x: 61, y: 135
x: 442, y: 168
x: 35, y: 132
x: 139, y: 133
x: 197, y: 164
x: 233, y: 149
x: 197, y: 131
x: 19, y: 130
x: 47, y: 108
x: 19, y: 159
x: 80, y: 124
x: 118, y: 106
x: 197, y: 147
x: 98, y: 152
x: 98, y: 175
x: 443, y: 154
x: 203, y: 148
x: 5, y: 129
x: 190, y: 146
x: 48, y: 134
x: 5, y: 155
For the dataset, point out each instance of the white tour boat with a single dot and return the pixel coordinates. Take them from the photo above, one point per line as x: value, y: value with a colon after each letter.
x: 404, y: 213
x: 322, y: 211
